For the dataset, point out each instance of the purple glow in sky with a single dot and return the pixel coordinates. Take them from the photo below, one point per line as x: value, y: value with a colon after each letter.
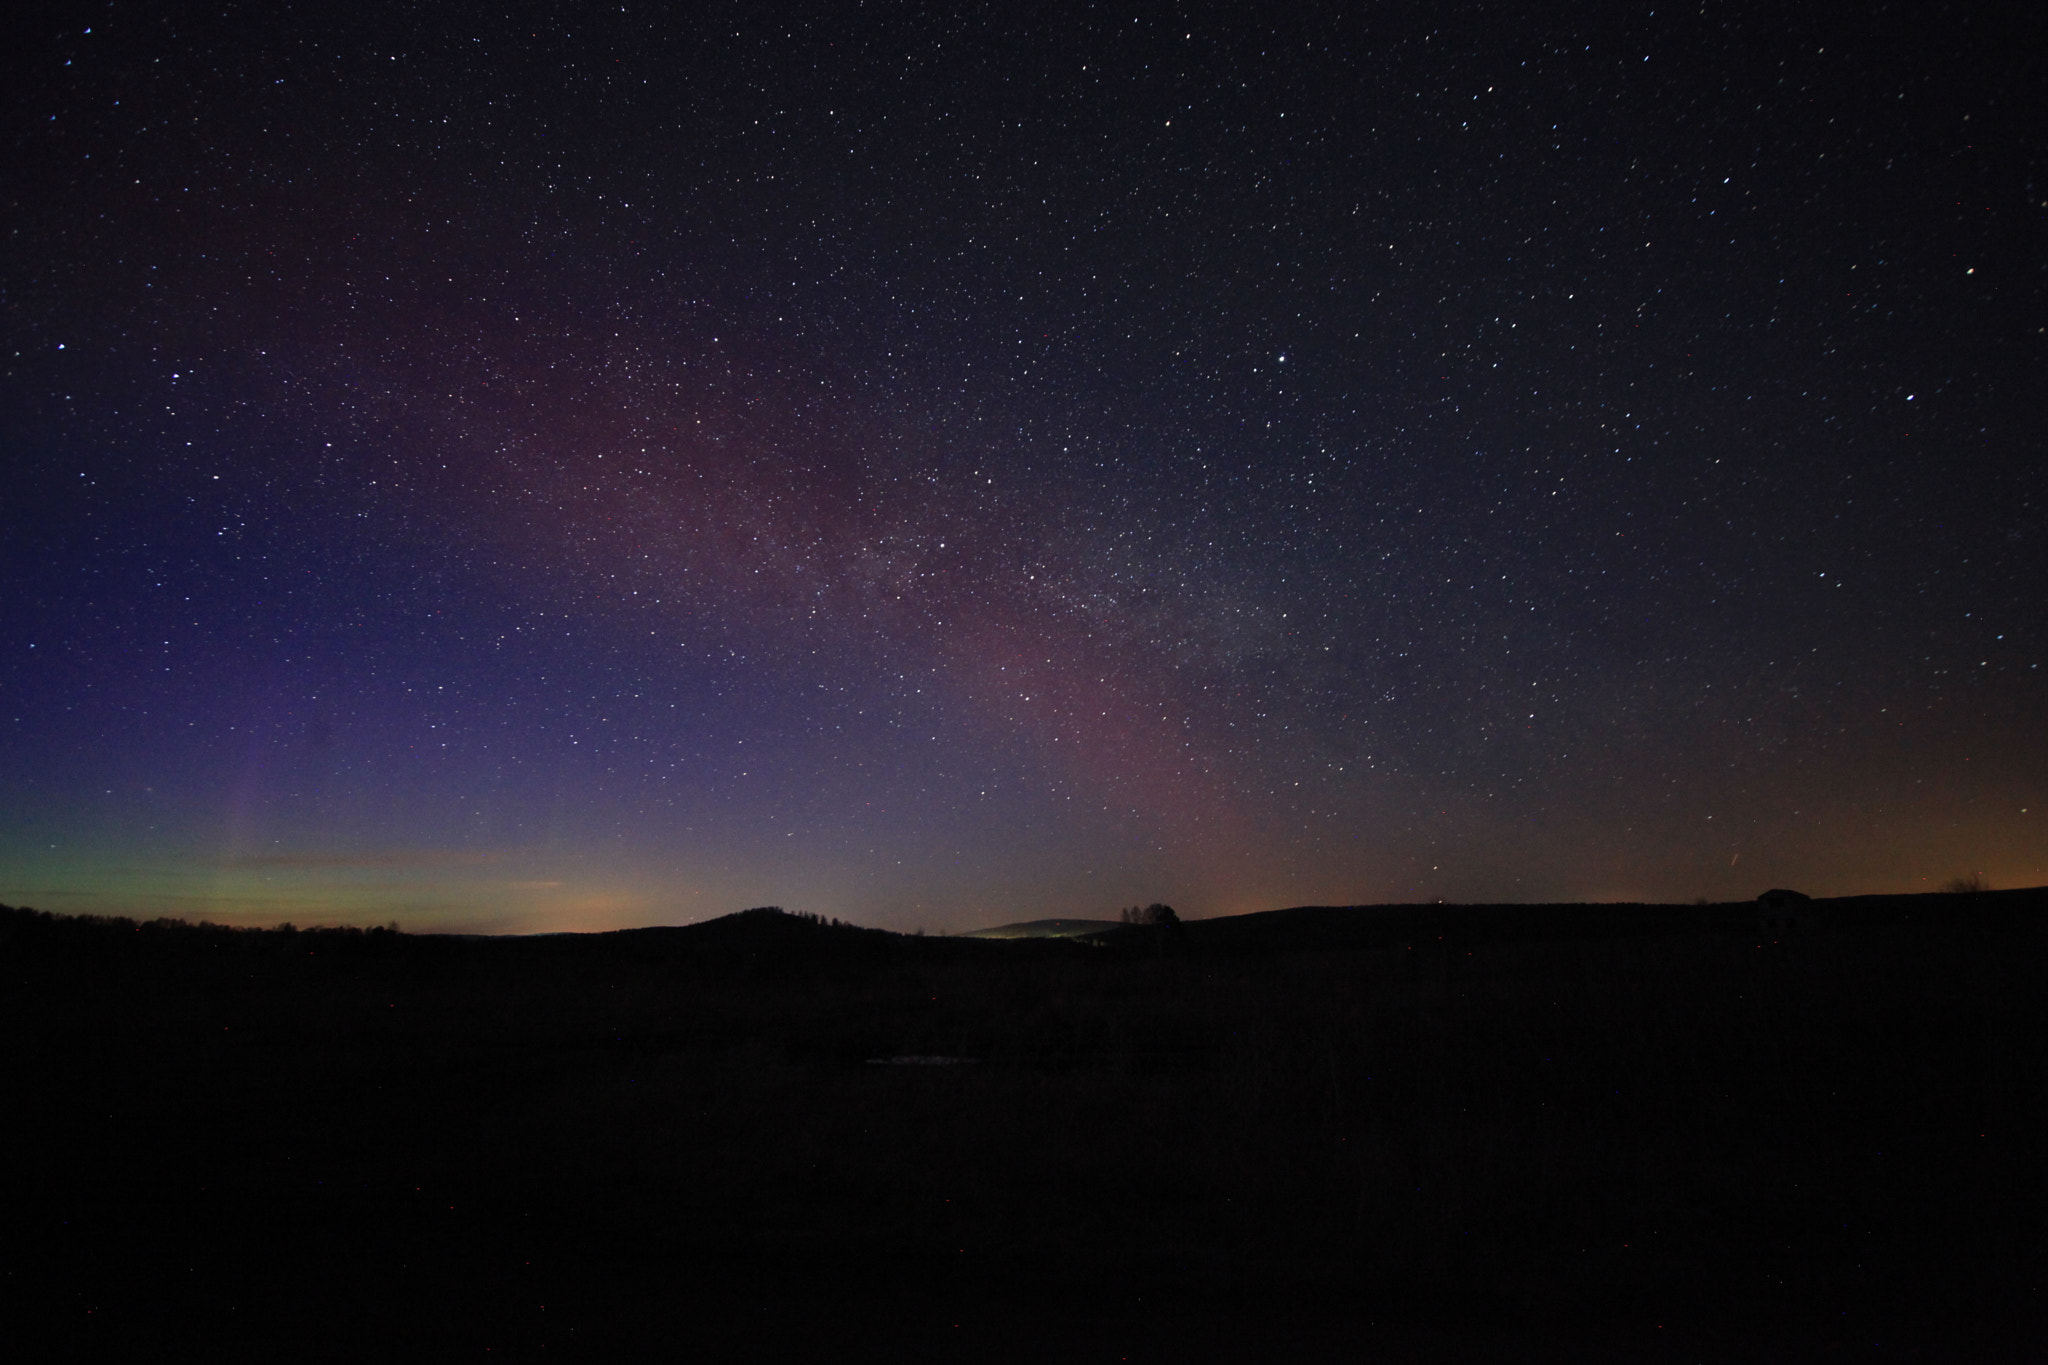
x: 611, y: 467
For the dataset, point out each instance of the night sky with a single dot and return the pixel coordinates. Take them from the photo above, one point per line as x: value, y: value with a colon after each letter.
x: 617, y: 464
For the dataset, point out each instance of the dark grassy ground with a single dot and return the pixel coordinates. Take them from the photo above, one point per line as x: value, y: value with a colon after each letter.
x: 1522, y: 1133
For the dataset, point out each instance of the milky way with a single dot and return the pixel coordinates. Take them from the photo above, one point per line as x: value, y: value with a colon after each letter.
x: 602, y: 466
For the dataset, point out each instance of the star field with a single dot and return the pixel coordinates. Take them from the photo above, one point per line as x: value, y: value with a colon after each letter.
x: 518, y: 470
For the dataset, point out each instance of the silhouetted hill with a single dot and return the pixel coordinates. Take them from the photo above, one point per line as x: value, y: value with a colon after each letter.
x: 765, y: 929
x: 1046, y: 928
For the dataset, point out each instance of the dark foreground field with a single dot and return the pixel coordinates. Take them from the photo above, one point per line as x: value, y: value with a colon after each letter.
x: 1514, y: 1133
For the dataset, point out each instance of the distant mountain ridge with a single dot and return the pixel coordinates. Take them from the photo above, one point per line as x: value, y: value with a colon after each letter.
x: 1373, y: 926
x: 778, y: 933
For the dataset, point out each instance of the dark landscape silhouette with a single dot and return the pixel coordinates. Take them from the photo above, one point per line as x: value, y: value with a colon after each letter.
x: 1652, y: 1132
